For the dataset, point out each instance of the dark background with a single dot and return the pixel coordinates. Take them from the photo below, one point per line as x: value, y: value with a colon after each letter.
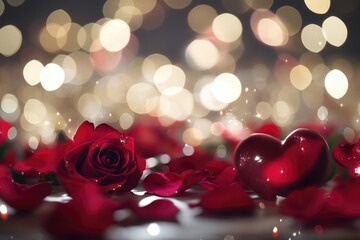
x: 174, y: 34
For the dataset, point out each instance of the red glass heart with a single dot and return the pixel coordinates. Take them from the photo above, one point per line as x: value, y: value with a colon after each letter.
x: 271, y: 167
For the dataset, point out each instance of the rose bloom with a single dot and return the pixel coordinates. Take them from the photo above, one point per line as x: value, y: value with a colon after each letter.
x: 102, y: 155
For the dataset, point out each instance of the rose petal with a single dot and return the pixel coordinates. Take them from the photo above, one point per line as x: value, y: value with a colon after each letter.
x: 216, y: 167
x: 4, y: 129
x: 23, y: 197
x: 169, y: 183
x: 84, y: 131
x: 345, y: 198
x: 4, y: 171
x: 158, y: 210
x: 306, y: 203
x: 41, y: 162
x: 89, y: 213
x: 196, y: 161
x: 230, y: 198
x: 70, y: 180
x: 87, y: 131
x: 224, y: 178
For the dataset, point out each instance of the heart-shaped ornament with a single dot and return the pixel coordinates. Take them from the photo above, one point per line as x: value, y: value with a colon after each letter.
x: 272, y: 167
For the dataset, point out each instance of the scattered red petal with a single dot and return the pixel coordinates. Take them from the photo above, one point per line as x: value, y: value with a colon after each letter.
x: 23, y: 197
x: 89, y: 213
x: 226, y: 199
x: 305, y: 204
x: 345, y: 197
x: 4, y: 129
x: 196, y: 161
x: 158, y: 210
x: 4, y: 171
x: 313, y: 205
x: 218, y: 179
x: 170, y: 183
x: 41, y: 162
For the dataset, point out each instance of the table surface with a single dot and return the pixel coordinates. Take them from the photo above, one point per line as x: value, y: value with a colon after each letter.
x: 191, y: 224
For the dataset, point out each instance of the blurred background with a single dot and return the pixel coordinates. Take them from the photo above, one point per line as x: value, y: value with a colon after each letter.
x: 217, y: 66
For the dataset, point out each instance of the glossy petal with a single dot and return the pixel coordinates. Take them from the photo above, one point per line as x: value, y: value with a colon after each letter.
x: 314, y: 206
x: 41, y: 162
x: 4, y: 171
x: 219, y: 177
x: 306, y: 203
x: 226, y: 199
x: 196, y: 161
x: 158, y: 210
x: 169, y: 183
x: 89, y: 213
x: 23, y: 197
x: 345, y: 197
x: 4, y: 129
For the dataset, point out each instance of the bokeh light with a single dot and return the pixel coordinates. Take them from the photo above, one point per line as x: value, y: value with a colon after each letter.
x: 31, y: 72
x: 169, y: 79
x: 142, y: 98
x: 15, y: 3
x: 268, y: 28
x: 226, y: 87
x: 52, y: 76
x: 319, y: 7
x: 114, y: 35
x: 2, y: 7
x: 201, y: 17
x: 322, y: 113
x: 35, y: 111
x: 217, y: 66
x: 89, y: 105
x: 259, y: 4
x: 10, y: 40
x: 227, y: 27
x: 300, y: 77
x: 336, y: 83
x: 9, y: 103
x: 58, y: 23
x: 335, y: 31
x: 202, y: 54
x: 152, y: 63
x: 313, y: 38
x: 291, y: 18
x: 175, y: 4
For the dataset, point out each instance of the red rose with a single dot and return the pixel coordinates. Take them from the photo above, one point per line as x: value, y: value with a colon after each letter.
x: 102, y: 155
